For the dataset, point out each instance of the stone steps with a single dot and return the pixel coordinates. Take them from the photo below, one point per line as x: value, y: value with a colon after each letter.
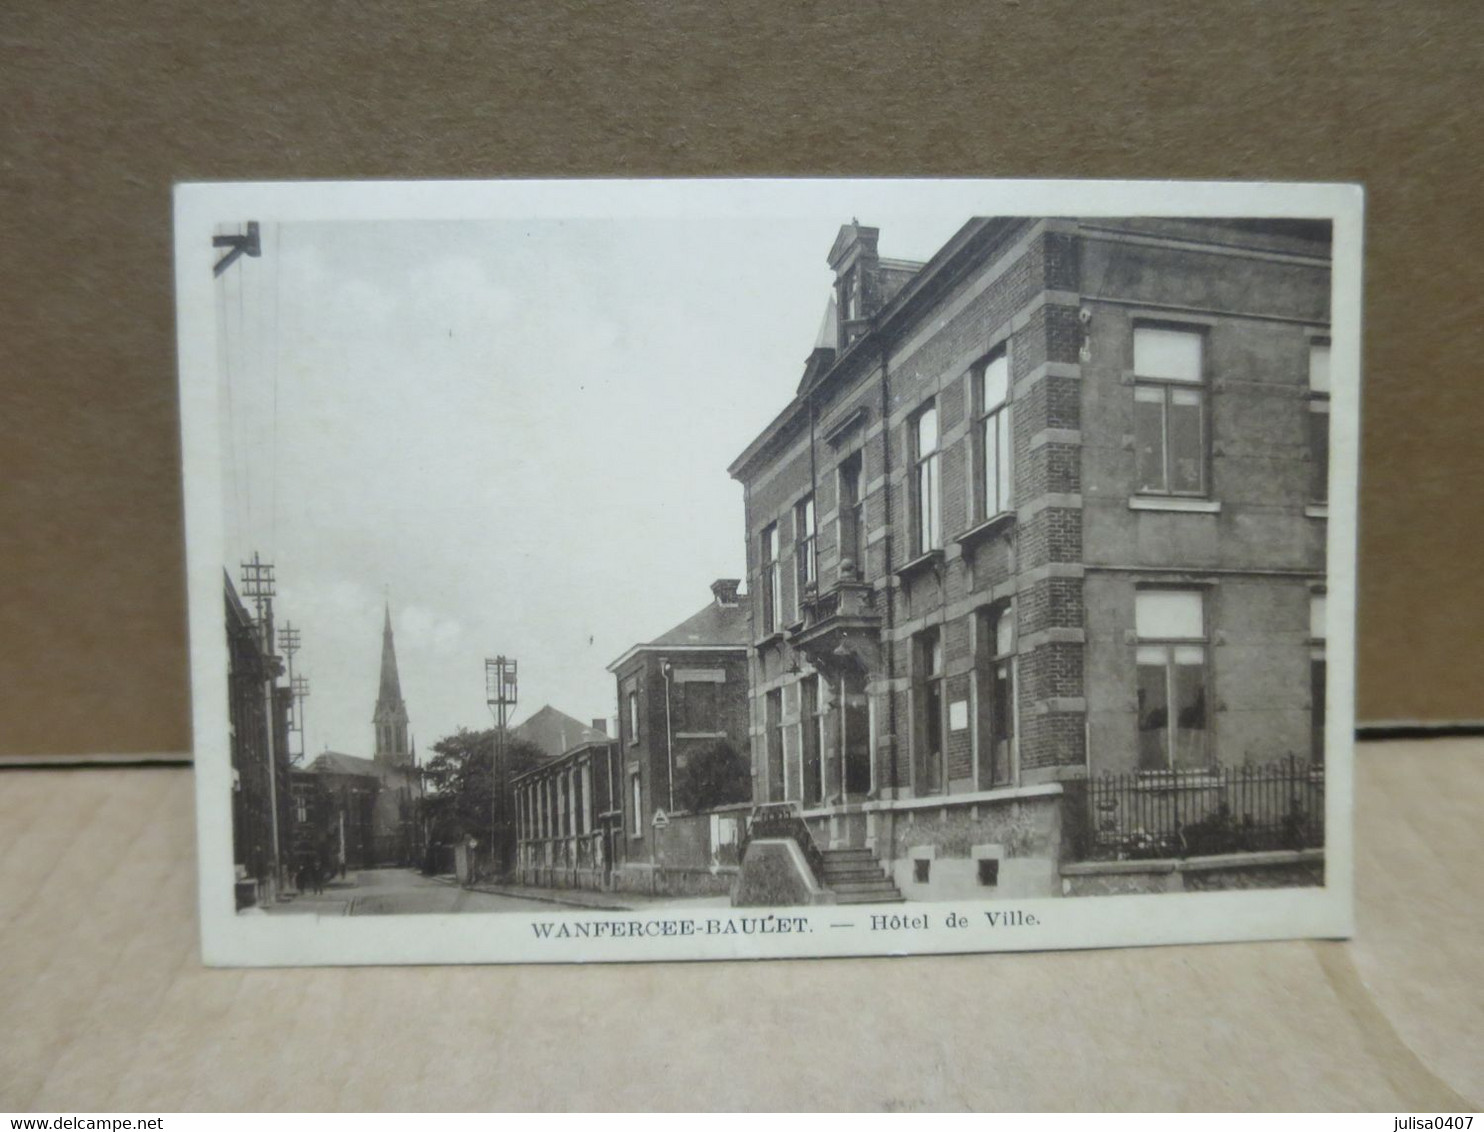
x: 856, y: 877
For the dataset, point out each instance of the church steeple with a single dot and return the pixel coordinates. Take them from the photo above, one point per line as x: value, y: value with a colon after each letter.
x: 390, y: 717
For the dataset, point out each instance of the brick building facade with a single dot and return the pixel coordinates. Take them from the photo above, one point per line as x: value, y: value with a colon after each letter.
x: 1045, y: 509
x: 259, y: 706
x: 681, y: 698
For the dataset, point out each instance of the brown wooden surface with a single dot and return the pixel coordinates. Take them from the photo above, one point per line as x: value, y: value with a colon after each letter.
x: 106, y: 105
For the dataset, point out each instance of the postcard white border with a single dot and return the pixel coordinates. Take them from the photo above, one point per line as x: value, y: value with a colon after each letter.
x: 1099, y: 921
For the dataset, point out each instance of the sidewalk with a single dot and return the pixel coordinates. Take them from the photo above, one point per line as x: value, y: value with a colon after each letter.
x: 594, y: 901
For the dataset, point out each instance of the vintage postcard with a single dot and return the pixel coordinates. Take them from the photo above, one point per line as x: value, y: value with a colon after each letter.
x: 642, y: 570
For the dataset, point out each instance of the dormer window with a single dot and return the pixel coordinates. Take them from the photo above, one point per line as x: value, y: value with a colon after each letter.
x: 850, y: 297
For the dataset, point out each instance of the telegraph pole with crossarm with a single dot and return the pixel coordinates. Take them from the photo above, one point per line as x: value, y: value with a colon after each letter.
x: 500, y: 694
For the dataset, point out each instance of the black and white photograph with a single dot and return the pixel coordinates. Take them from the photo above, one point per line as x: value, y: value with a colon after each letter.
x: 679, y: 569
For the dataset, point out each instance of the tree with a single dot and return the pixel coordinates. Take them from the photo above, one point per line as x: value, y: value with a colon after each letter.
x: 461, y: 768
x: 715, y: 775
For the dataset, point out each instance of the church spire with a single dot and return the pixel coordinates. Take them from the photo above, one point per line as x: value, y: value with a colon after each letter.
x: 390, y: 717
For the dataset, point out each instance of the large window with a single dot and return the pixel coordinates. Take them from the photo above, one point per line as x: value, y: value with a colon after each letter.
x: 1319, y: 418
x: 993, y: 449
x: 1171, y: 660
x: 995, y: 672
x: 927, y: 513
x: 1169, y: 411
x: 811, y: 731
x: 772, y: 578
x: 773, y: 734
x: 1318, y: 671
x: 852, y: 514
x: 928, y: 702
x: 855, y: 719
x: 806, y: 563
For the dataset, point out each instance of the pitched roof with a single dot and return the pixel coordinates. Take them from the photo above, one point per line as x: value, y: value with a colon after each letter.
x: 716, y: 624
x: 555, y: 732
x: 334, y: 762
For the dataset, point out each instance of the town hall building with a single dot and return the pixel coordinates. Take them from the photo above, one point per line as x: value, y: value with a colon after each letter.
x: 1036, y: 560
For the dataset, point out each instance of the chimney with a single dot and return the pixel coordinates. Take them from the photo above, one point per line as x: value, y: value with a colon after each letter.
x: 600, y: 725
x: 725, y: 591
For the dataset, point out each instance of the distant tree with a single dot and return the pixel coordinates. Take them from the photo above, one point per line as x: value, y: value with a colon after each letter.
x: 715, y: 775
x: 462, y: 769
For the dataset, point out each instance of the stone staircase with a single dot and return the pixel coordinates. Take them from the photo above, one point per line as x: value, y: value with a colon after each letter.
x: 856, y: 877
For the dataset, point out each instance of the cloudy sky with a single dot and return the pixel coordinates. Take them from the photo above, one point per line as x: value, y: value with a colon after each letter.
x: 516, y: 431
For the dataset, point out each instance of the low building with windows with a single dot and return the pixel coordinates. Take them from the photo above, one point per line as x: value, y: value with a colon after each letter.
x: 569, y: 818
x: 1037, y: 558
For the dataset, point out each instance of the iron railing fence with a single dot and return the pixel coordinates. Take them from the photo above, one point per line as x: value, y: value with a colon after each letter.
x: 782, y: 819
x: 1189, y: 813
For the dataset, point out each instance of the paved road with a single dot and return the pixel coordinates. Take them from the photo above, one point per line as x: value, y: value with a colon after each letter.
x: 400, y: 892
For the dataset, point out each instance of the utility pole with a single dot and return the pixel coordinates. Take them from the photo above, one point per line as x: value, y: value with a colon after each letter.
x: 288, y: 643
x: 500, y: 695
x: 258, y: 586
x: 299, y: 688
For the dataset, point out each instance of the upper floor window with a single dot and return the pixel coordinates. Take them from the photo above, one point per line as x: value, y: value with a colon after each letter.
x: 806, y: 563
x: 633, y: 701
x: 772, y: 578
x: 1169, y: 411
x: 927, y: 514
x: 992, y: 434
x: 850, y: 296
x: 697, y: 709
x: 1319, y: 418
x: 1171, y: 678
x: 852, y: 514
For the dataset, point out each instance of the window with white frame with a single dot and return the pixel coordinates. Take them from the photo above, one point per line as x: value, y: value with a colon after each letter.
x: 773, y: 736
x: 633, y: 702
x: 636, y: 804
x: 772, y: 578
x: 852, y: 514
x: 1318, y: 672
x: 850, y: 296
x: 927, y: 511
x: 995, y: 672
x: 811, y: 734
x: 1169, y: 411
x: 1319, y: 419
x: 993, y: 448
x: 1172, y: 677
x: 930, y: 704
x: 806, y: 565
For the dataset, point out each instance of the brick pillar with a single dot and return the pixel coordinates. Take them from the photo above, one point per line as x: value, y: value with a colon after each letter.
x: 1048, y: 537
